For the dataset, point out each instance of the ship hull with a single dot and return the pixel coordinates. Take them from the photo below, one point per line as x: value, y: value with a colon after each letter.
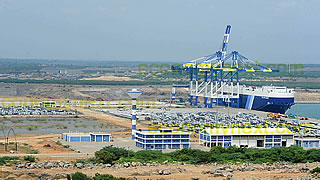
x: 269, y: 104
x: 262, y: 103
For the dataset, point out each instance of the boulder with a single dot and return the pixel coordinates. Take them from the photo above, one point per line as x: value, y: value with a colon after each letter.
x: 229, y: 176
x: 166, y: 172
x: 79, y: 165
x: 48, y: 165
x: 61, y: 164
x: 126, y: 165
x: 218, y: 173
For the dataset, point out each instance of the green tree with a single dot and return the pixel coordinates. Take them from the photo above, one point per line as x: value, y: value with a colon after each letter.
x: 118, y: 152
x: 103, y: 156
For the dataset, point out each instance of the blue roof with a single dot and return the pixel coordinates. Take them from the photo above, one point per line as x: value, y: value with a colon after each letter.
x: 134, y: 91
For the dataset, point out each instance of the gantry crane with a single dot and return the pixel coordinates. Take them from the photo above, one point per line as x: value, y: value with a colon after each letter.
x: 220, y: 72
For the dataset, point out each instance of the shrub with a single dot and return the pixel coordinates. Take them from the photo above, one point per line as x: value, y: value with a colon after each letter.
x: 59, y: 143
x: 219, y: 154
x: 5, y: 159
x: 92, y: 160
x: 79, y: 176
x: 47, y: 145
x: 29, y: 158
x: 106, y: 177
x: 118, y: 152
x: 2, y: 161
x: 315, y: 170
x: 80, y: 161
x: 105, y: 157
x: 34, y: 152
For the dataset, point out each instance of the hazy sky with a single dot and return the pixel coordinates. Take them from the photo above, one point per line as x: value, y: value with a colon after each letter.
x: 281, y: 31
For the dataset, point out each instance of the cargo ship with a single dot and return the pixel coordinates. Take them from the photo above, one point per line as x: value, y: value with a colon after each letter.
x: 265, y: 98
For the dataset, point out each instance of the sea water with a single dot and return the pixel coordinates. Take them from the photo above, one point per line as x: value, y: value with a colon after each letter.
x: 306, y: 110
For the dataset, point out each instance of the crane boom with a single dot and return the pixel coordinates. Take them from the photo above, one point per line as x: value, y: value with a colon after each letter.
x: 225, y: 41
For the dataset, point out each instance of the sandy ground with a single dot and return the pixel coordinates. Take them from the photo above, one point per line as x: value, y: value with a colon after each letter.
x: 76, y: 92
x: 38, y: 141
x: 179, y: 172
x: 112, y: 78
x: 106, y: 118
x: 301, y: 97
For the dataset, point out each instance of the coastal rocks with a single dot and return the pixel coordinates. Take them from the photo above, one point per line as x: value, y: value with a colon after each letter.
x: 45, y: 165
x: 79, y: 165
x: 304, y: 169
x: 229, y: 176
x: 205, y: 172
x: 218, y: 173
x: 164, y: 172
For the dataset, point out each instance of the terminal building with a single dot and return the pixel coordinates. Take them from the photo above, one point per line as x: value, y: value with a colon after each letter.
x: 86, y: 137
x: 245, y: 137
x: 162, y: 139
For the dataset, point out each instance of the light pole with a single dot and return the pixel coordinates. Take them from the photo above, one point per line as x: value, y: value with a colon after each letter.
x: 134, y: 94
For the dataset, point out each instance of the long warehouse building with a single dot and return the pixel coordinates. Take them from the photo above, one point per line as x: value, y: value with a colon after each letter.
x: 245, y: 137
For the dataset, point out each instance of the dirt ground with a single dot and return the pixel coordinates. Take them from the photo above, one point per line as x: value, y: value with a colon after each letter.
x: 308, y: 97
x: 37, y: 142
x: 178, y: 172
x: 106, y: 118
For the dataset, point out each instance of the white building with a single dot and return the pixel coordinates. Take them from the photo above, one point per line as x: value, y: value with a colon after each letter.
x: 246, y: 137
x: 162, y: 139
x: 308, y: 142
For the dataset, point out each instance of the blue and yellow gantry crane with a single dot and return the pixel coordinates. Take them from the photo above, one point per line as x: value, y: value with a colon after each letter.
x: 220, y: 72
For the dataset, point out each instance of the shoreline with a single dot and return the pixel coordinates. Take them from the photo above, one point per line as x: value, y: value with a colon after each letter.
x: 307, y: 102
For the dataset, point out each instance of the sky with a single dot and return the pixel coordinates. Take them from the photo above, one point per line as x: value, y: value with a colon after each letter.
x: 270, y: 31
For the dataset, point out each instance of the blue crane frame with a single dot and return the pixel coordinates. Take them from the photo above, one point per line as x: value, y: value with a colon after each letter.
x: 215, y: 69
